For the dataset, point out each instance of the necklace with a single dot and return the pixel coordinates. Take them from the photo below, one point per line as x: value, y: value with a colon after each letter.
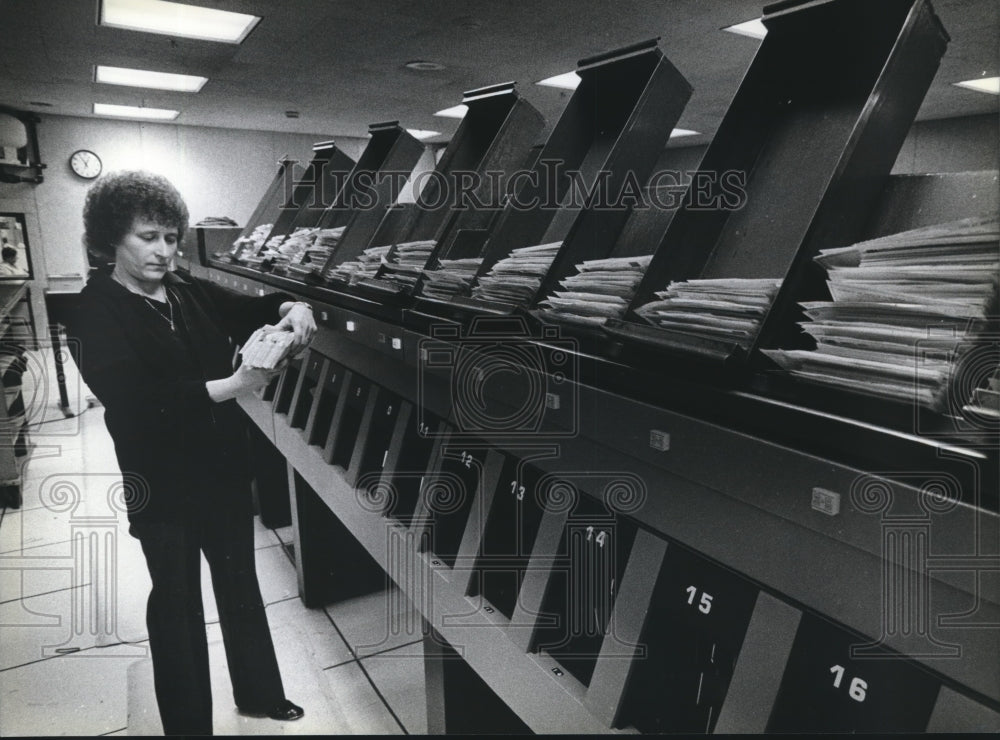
x: 166, y: 294
x: 170, y: 308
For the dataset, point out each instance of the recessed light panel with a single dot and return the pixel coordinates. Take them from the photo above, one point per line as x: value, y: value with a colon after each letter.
x: 134, y: 111
x: 566, y: 81
x: 146, y: 78
x: 177, y: 19
x: 982, y: 84
x: 754, y: 29
x: 456, y: 111
x: 678, y: 132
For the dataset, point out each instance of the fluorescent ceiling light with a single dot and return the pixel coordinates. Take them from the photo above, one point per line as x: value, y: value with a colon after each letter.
x: 134, y: 111
x: 177, y: 19
x: 682, y: 132
x: 456, y: 111
x: 983, y: 84
x: 567, y: 81
x: 754, y: 29
x: 146, y: 78
x: 419, y: 133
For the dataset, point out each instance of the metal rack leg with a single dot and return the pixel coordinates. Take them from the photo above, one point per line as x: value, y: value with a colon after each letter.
x: 55, y: 331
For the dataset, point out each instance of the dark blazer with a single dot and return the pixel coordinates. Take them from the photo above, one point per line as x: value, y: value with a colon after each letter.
x: 178, y: 451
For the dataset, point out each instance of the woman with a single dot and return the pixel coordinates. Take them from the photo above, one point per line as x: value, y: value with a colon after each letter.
x: 157, y: 351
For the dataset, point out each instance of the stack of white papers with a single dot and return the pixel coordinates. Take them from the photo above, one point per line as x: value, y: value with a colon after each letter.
x: 515, y: 279
x: 727, y: 309
x: 451, y: 278
x: 906, y: 309
x: 600, y: 290
x: 313, y: 256
x: 249, y: 245
x: 303, y: 252
x: 360, y: 269
x: 405, y: 264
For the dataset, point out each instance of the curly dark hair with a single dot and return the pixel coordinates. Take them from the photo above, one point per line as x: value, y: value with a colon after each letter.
x: 116, y: 200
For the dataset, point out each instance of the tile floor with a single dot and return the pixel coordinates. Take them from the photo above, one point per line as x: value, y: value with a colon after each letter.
x: 73, y: 585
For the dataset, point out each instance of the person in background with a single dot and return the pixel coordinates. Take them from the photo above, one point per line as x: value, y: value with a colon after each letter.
x: 8, y: 265
x: 157, y: 350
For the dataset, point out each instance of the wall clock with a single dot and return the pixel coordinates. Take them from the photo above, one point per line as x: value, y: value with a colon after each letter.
x: 85, y: 163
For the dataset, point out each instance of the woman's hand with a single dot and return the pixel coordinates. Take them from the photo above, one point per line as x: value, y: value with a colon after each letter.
x: 248, y: 379
x: 243, y: 381
x: 298, y: 319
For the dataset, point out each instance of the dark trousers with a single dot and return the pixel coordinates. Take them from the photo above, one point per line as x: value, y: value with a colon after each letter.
x: 176, y: 619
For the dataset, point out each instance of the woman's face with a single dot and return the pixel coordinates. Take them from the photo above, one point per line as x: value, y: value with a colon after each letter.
x: 145, y: 252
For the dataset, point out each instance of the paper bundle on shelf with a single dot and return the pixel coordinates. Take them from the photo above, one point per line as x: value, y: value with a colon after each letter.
x: 405, y: 263
x: 451, y: 278
x: 354, y: 271
x: 249, y: 245
x: 723, y: 309
x: 283, y: 250
x: 906, y: 310
x: 313, y: 254
x: 600, y: 290
x: 266, y: 348
x: 516, y: 278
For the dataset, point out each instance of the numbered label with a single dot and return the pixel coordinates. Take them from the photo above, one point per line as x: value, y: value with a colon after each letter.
x: 858, y: 688
x: 517, y: 489
x: 467, y: 459
x: 423, y: 430
x: 600, y: 538
x: 704, y: 603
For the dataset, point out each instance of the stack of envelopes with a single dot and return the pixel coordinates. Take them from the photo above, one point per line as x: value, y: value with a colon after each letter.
x: 908, y: 314
x: 354, y: 271
x: 451, y: 278
x: 516, y: 279
x: 404, y: 264
x: 600, y: 290
x: 725, y: 309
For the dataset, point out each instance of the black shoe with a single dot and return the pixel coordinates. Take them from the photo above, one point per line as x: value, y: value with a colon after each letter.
x: 284, y: 710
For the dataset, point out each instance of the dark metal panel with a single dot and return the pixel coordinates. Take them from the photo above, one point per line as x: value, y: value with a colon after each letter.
x: 811, y: 142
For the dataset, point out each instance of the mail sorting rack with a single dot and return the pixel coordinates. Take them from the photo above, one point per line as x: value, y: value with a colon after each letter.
x: 606, y: 141
x: 816, y: 126
x: 582, y: 584
x: 387, y: 161
x: 908, y: 202
x: 398, y: 460
x: 492, y: 143
x: 705, y: 627
x: 509, y: 534
x: 265, y: 212
x: 676, y: 561
x: 358, y: 200
x: 494, y: 134
x: 322, y: 178
x: 639, y: 236
x: 328, y: 178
